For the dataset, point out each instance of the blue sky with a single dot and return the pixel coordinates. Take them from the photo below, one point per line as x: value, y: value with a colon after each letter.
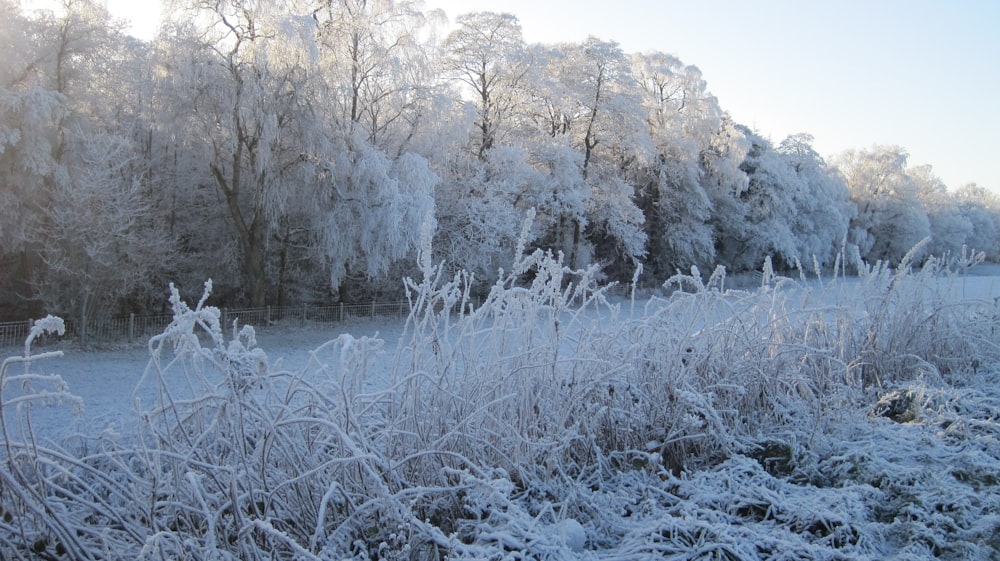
x: 921, y: 74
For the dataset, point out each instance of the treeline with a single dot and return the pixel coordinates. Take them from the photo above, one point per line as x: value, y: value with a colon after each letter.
x: 300, y: 150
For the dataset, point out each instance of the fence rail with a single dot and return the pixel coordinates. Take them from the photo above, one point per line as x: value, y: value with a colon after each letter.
x: 140, y: 327
x: 132, y: 328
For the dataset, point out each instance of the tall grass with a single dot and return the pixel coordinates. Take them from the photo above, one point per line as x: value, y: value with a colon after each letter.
x: 547, y: 423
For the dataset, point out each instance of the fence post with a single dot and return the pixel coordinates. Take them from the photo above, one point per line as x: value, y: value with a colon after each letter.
x: 267, y: 318
x: 131, y: 327
x: 341, y: 312
x: 305, y: 313
x: 373, y: 309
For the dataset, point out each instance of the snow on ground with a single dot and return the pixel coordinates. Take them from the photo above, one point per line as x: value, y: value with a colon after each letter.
x: 106, y: 379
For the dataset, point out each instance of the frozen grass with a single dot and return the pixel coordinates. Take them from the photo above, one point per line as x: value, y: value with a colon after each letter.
x: 820, y: 419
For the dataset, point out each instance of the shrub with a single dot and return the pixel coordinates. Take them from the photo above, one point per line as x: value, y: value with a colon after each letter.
x: 546, y: 423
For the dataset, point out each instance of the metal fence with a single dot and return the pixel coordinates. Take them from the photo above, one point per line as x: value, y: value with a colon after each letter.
x: 134, y: 327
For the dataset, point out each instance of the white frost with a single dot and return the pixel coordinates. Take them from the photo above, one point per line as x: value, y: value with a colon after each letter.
x: 572, y: 534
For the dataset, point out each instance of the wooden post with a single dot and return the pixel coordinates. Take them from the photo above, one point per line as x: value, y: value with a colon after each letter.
x: 131, y: 327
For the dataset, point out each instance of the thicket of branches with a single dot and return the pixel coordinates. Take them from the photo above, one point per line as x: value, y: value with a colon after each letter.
x: 293, y: 150
x: 824, y: 420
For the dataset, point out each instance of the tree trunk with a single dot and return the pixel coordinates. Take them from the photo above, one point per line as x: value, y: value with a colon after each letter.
x: 251, y: 236
x: 254, y: 262
x: 82, y: 329
x: 283, y: 273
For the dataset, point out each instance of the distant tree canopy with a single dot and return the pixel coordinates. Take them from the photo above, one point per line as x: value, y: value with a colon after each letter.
x: 293, y: 151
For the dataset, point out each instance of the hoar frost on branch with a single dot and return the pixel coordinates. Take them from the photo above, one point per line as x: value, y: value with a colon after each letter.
x: 377, y: 208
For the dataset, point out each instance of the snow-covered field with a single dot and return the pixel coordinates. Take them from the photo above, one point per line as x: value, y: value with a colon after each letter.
x: 834, y: 419
x: 105, y: 379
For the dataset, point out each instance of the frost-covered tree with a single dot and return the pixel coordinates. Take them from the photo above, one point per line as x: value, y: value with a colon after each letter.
x: 482, y: 206
x: 596, y: 74
x: 681, y: 117
x: 184, y: 197
x: 794, y: 209
x: 76, y: 205
x: 31, y: 112
x: 487, y: 177
x: 950, y: 228
x: 891, y: 219
x: 677, y: 211
x: 981, y: 207
x: 725, y: 182
x: 823, y: 210
x: 375, y: 68
x: 764, y: 227
x: 564, y: 197
x: 100, y: 244
x: 488, y: 56
x: 239, y: 83
x: 374, y: 209
x: 374, y: 91
x: 586, y: 100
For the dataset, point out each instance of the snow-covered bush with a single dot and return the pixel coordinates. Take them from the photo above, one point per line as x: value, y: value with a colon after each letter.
x: 547, y: 423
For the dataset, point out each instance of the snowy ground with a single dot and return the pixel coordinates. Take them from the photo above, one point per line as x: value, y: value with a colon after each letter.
x: 827, y: 473
x: 105, y: 380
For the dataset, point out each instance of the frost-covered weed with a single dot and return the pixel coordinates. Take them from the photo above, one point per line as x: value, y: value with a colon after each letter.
x: 547, y: 424
x: 910, y: 325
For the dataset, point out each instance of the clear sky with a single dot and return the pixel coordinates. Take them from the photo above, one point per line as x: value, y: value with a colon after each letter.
x: 921, y: 74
